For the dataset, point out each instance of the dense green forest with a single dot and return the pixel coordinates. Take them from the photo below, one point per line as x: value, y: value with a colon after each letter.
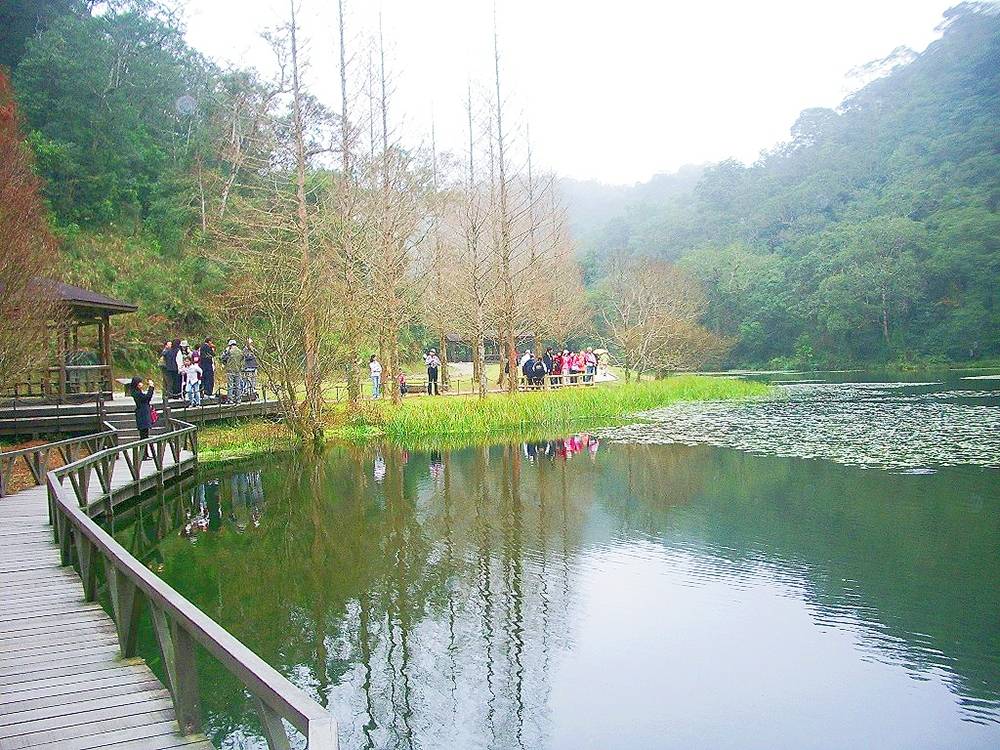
x: 871, y: 235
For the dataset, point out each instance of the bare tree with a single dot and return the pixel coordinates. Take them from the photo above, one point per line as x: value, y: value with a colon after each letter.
x: 278, y: 290
x: 650, y: 313
x: 397, y: 188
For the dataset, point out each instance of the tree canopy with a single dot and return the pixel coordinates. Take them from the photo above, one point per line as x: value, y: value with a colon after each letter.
x: 870, y: 235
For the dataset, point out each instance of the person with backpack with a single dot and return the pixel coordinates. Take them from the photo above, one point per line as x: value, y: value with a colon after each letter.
x: 433, y: 363
x: 250, y: 366
x: 528, y: 369
x: 232, y: 360
x: 538, y: 372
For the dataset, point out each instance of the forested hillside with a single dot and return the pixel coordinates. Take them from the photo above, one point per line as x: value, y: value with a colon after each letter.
x: 873, y: 234
x: 116, y: 108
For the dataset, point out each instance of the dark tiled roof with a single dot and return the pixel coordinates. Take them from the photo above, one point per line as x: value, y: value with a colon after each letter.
x: 80, y: 297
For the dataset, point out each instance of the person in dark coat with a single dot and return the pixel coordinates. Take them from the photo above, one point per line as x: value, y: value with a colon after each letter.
x: 528, y: 369
x: 173, y: 370
x: 207, y: 351
x: 143, y: 409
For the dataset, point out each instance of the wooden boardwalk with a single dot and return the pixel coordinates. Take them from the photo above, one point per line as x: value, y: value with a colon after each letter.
x: 63, y: 683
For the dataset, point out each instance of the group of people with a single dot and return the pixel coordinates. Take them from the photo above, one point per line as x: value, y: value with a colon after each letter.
x: 431, y: 360
x: 564, y: 368
x: 189, y: 372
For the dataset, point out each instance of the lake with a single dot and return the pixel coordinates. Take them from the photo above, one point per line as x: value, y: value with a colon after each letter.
x: 817, y: 570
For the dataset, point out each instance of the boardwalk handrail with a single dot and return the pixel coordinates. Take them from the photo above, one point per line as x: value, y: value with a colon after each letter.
x: 177, y: 623
x: 36, y: 457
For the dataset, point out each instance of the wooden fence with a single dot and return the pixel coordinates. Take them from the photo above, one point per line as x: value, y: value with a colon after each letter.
x: 37, y: 458
x: 179, y: 626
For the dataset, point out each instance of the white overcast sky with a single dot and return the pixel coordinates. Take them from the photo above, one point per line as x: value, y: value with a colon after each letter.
x: 613, y: 90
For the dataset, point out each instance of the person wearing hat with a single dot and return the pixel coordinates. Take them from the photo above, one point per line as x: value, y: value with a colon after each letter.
x: 232, y: 360
x: 143, y: 409
x: 433, y: 363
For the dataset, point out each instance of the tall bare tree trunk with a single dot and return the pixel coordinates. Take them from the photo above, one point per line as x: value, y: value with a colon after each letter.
x: 352, y: 300
x: 313, y: 401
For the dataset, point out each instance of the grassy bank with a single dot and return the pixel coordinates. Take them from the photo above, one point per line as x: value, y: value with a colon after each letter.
x: 422, y: 418
x: 243, y: 438
x: 453, y: 420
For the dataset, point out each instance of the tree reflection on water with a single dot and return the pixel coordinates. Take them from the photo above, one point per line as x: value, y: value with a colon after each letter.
x: 428, y: 598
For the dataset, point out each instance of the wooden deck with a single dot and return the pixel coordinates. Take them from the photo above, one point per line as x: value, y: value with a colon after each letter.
x: 28, y: 419
x: 63, y: 683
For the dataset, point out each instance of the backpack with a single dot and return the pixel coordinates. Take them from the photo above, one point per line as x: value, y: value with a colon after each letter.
x: 539, y: 368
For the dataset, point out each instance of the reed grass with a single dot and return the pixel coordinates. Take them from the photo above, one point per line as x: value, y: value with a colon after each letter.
x: 451, y: 421
x: 421, y: 418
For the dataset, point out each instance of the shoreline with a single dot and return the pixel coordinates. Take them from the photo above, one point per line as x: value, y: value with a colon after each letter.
x: 465, y: 420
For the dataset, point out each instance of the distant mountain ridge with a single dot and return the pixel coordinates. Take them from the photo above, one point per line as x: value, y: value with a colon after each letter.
x: 872, y: 234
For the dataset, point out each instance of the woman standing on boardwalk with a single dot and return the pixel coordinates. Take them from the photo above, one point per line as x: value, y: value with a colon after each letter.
x: 143, y: 410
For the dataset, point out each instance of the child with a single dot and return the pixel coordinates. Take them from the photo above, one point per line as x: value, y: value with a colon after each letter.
x: 192, y: 382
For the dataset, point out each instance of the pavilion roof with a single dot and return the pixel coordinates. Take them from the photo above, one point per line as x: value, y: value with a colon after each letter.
x: 78, y: 297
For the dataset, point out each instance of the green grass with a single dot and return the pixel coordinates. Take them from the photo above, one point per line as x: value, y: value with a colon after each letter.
x: 454, y: 421
x: 421, y: 418
x: 243, y: 438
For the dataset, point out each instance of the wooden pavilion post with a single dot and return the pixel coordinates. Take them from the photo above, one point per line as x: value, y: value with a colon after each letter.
x: 62, y: 334
x: 104, y: 331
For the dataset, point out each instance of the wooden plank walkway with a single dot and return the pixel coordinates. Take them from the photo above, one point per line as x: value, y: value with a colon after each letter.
x: 63, y: 684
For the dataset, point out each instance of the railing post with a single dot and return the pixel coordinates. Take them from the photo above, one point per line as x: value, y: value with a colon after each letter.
x: 274, y: 730
x: 126, y: 601
x: 177, y: 650
x: 88, y: 569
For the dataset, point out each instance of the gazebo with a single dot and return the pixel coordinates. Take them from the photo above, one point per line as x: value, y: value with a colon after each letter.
x: 81, y: 361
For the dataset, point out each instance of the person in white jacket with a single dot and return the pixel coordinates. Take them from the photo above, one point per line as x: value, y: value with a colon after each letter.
x: 375, y: 367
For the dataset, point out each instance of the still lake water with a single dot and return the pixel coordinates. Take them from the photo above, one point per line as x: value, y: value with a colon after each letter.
x: 821, y: 570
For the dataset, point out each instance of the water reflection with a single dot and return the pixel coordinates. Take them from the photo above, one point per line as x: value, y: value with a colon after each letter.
x: 573, y: 593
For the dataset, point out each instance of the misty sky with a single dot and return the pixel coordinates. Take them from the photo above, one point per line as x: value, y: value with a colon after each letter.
x: 613, y: 90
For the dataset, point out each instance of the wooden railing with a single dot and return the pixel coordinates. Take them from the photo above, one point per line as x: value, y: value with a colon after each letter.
x: 576, y: 380
x: 37, y: 457
x: 177, y: 624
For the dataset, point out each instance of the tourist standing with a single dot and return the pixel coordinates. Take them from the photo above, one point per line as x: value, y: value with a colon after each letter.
x: 165, y: 359
x: 375, y: 368
x: 207, y: 352
x: 232, y: 360
x: 175, y: 360
x: 547, y: 360
x: 528, y: 369
x: 250, y: 366
x: 143, y: 409
x: 192, y: 382
x: 590, y: 365
x: 433, y: 363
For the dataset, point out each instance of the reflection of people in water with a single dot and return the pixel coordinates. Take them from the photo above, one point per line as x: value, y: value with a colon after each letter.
x: 436, y: 465
x: 196, y: 518
x: 212, y: 504
x: 570, y: 446
x: 379, y: 469
x: 247, y: 492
